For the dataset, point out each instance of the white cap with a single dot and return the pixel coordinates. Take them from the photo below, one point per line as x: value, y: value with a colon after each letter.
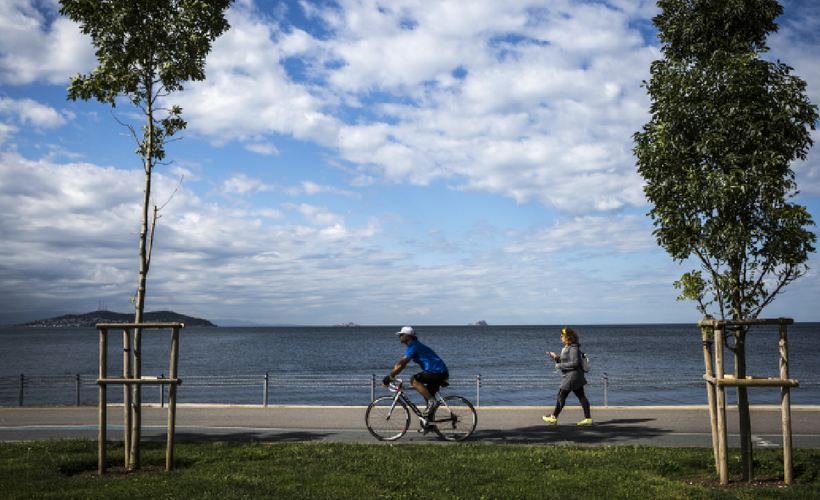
x: 407, y: 330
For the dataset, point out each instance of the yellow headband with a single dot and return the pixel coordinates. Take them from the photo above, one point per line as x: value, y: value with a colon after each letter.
x: 564, y: 331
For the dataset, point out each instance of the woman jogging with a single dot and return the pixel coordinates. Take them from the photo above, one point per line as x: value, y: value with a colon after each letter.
x: 572, y: 376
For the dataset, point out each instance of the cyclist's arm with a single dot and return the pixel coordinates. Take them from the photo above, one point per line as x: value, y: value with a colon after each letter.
x: 398, y: 368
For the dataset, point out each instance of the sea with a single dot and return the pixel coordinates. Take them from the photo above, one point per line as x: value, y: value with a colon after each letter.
x: 632, y: 365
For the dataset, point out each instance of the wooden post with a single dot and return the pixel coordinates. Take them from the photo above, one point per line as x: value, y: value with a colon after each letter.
x: 785, y: 402
x: 126, y: 395
x: 101, y: 435
x: 136, y: 403
x: 710, y: 391
x: 723, y: 470
x: 172, y: 400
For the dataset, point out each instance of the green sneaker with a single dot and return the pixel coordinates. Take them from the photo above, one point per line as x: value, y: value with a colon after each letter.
x: 586, y: 421
x: 550, y: 419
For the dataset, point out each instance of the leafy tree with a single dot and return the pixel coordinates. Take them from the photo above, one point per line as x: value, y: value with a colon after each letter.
x: 716, y: 157
x: 146, y: 49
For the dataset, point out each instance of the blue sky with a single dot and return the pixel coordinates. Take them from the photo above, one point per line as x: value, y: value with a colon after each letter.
x: 385, y: 163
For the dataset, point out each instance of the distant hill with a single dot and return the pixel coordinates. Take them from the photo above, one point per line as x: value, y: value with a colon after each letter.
x: 92, y: 318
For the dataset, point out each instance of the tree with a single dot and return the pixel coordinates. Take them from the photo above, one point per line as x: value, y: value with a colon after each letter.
x: 716, y: 157
x: 146, y: 49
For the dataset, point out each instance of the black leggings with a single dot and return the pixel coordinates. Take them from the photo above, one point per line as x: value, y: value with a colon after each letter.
x: 562, y: 398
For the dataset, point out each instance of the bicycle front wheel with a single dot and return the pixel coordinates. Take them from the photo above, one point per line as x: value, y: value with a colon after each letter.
x: 455, y: 418
x: 386, y: 421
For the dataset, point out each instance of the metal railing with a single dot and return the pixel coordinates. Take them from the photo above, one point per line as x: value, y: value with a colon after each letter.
x: 28, y: 383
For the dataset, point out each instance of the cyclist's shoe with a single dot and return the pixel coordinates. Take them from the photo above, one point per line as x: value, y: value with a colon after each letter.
x: 586, y: 421
x: 427, y: 411
x: 550, y: 419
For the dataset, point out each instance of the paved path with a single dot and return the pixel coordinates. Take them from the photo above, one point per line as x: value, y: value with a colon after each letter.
x: 653, y: 426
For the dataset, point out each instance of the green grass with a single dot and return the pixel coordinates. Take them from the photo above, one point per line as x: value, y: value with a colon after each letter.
x: 67, y: 469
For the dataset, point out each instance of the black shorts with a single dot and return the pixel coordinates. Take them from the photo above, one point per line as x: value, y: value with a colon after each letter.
x: 431, y: 380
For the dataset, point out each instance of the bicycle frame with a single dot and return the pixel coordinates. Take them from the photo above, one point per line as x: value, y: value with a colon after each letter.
x: 396, y: 386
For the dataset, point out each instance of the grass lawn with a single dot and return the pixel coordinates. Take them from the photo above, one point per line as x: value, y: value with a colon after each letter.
x: 67, y: 469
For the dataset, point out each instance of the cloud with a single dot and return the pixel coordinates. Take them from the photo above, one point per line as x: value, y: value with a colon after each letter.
x: 311, y: 188
x: 242, y: 185
x: 622, y: 234
x: 523, y: 117
x: 319, y: 216
x: 263, y: 148
x: 72, y: 241
x: 32, y: 113
x: 36, y: 44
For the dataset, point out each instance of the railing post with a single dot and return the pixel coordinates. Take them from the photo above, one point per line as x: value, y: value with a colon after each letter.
x: 265, y: 391
x: 162, y: 392
x: 22, y: 381
x: 478, y: 390
x: 606, y: 400
x: 372, y: 386
x: 77, y: 384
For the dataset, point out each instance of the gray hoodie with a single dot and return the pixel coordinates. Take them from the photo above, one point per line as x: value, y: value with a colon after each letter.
x: 572, y: 372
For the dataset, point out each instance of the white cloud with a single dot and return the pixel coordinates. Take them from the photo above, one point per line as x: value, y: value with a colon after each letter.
x: 544, y: 103
x: 271, y: 213
x: 242, y: 185
x: 622, y: 234
x: 320, y: 216
x: 313, y: 188
x: 263, y: 148
x: 32, y: 113
x: 34, y: 48
x: 69, y: 243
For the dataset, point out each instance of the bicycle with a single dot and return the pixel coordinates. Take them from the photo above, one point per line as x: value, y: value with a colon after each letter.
x: 453, y: 418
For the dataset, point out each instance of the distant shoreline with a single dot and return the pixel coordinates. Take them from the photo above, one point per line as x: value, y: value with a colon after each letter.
x: 91, y: 319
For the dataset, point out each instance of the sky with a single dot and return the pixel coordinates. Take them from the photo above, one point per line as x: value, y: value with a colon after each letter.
x: 408, y: 162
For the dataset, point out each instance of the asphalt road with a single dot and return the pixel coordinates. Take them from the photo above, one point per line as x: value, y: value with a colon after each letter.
x: 651, y: 426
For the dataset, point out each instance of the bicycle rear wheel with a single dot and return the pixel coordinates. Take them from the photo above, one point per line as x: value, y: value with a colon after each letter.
x: 454, y: 419
x: 385, y: 421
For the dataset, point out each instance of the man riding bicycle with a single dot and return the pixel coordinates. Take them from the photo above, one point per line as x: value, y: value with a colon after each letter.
x: 434, y: 371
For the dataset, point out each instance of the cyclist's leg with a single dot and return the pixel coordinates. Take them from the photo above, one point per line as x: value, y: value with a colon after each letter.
x: 419, y: 381
x: 430, y: 382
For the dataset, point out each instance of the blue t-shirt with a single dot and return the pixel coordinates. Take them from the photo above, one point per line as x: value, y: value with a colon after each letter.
x: 425, y: 357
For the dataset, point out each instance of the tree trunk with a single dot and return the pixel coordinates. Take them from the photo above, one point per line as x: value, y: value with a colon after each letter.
x: 746, y: 454
x: 136, y: 401
x: 745, y: 422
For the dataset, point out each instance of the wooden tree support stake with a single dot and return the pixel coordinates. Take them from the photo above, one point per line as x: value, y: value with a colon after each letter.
x: 128, y: 381
x: 718, y: 381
